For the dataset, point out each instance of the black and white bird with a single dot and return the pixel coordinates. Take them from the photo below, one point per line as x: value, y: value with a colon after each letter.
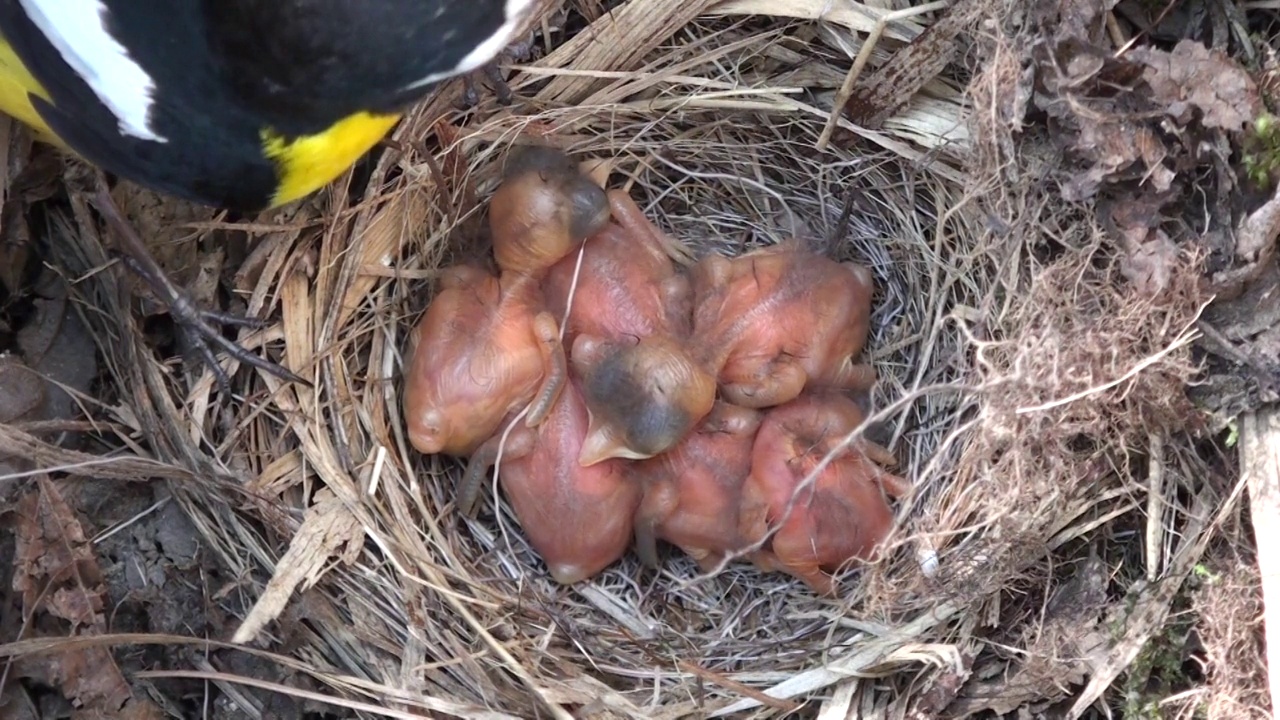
x: 239, y: 104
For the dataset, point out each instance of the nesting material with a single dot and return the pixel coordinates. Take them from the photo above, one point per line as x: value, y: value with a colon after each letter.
x: 1023, y: 386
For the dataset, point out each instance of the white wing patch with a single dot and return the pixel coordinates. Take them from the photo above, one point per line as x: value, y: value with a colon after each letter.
x: 513, y: 14
x: 78, y: 29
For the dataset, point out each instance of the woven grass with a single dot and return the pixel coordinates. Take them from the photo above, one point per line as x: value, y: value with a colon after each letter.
x: 1033, y: 398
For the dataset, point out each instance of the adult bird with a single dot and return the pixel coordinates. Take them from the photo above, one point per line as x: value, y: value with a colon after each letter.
x: 239, y: 104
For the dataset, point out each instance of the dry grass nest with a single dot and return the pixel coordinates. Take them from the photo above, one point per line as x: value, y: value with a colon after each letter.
x: 1034, y: 397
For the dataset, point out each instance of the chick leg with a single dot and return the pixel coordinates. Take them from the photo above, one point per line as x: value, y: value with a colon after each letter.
x: 627, y: 214
x: 813, y: 576
x: 780, y: 381
x: 878, y: 453
x: 660, y: 500
x: 893, y: 485
x: 519, y: 443
x: 853, y: 376
x: 707, y: 560
x: 197, y: 324
x: 804, y: 568
x: 555, y: 369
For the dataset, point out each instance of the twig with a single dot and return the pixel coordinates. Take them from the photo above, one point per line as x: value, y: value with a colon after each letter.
x: 1260, y: 468
x: 1156, y: 505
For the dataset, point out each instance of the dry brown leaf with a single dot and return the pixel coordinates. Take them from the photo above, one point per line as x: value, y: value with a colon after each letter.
x: 1075, y: 19
x: 1113, y: 145
x: 203, y: 286
x: 1061, y: 651
x: 1255, y: 248
x: 88, y: 678
x: 55, y: 571
x: 328, y: 525
x: 1195, y: 77
x: 162, y: 224
x: 59, y: 349
x: 16, y: 704
x: 877, y: 97
x: 1149, y: 254
x: 51, y: 550
x: 21, y: 390
x: 1149, y: 259
x: 136, y: 709
x: 15, y: 233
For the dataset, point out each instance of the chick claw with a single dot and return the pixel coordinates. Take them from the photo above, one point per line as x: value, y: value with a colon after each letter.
x: 197, y: 324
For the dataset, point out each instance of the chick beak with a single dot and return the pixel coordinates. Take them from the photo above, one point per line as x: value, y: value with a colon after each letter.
x: 598, y: 446
x: 603, y: 444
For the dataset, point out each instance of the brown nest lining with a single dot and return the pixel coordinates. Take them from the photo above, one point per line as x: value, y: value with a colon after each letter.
x: 1033, y: 399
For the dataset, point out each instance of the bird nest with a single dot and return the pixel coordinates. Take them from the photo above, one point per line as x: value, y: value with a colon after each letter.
x: 1034, y: 396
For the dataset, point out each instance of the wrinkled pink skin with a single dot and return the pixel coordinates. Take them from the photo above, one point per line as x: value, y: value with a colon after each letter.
x: 842, y: 517
x: 579, y: 519
x: 693, y: 492
x: 483, y: 350
x: 486, y: 346
x: 628, y: 331
x: 775, y: 321
x: 628, y: 285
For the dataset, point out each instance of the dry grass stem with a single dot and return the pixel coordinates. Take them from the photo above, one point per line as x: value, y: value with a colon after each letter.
x: 1033, y: 396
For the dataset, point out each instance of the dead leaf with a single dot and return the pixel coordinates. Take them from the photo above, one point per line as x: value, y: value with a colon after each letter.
x: 15, y: 247
x: 1114, y: 145
x: 1060, y: 652
x: 1075, y: 19
x: 1256, y: 234
x: 1149, y: 255
x: 878, y: 96
x: 58, y: 353
x: 1195, y: 77
x: 88, y: 677
x: 16, y: 704
x: 139, y: 709
x: 1255, y: 248
x: 1148, y: 260
x: 946, y: 687
x: 21, y: 390
x: 162, y: 223
x: 56, y: 572
x: 204, y: 286
x: 51, y: 549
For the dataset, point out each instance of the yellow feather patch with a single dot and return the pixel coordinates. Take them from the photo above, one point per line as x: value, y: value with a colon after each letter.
x: 311, y: 162
x: 16, y: 88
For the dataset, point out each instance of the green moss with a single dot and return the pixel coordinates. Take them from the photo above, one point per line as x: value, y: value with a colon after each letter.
x: 1160, y: 669
x: 1261, y: 151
